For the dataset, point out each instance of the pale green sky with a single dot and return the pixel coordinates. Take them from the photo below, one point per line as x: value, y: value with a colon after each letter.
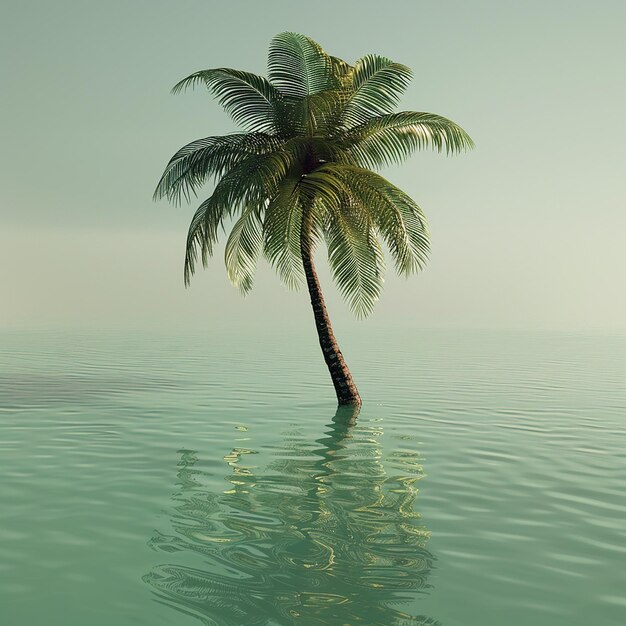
x: 528, y: 230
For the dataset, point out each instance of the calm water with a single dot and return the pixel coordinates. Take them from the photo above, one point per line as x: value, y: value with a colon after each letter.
x: 162, y: 480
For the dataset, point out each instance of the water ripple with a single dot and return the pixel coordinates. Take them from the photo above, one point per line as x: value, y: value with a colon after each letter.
x: 326, y: 525
x: 203, y: 474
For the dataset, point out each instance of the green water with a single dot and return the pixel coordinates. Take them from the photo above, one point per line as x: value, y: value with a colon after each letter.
x: 179, y: 480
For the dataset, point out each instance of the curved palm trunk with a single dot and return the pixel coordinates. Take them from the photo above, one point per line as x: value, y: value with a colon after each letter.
x: 345, y: 388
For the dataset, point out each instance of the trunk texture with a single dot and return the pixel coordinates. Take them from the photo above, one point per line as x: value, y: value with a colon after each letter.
x: 347, y: 393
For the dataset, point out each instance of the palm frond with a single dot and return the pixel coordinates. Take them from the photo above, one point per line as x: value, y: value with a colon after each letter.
x: 252, y: 181
x: 340, y: 73
x: 243, y: 247
x: 197, y: 162
x: 399, y: 220
x: 355, y: 257
x: 377, y: 84
x: 297, y: 66
x: 247, y: 97
x: 310, y: 117
x: 201, y: 236
x: 281, y: 232
x: 391, y: 212
x: 354, y: 253
x: 391, y: 138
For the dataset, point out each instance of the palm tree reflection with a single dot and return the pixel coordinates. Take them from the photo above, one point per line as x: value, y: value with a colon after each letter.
x: 324, y: 536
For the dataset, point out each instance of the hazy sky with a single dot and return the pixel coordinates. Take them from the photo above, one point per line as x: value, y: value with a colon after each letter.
x: 528, y: 230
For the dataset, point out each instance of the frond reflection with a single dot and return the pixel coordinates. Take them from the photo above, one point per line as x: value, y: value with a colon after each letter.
x: 323, y: 535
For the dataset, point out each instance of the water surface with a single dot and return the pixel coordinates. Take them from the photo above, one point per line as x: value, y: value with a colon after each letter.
x: 206, y: 479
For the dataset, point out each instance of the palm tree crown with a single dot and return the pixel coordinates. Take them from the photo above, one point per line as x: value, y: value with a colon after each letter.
x: 302, y: 169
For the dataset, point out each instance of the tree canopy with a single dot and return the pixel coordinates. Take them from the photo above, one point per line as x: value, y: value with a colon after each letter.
x: 313, y: 132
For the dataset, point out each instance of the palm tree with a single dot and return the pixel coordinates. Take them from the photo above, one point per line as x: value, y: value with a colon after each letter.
x: 302, y: 171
